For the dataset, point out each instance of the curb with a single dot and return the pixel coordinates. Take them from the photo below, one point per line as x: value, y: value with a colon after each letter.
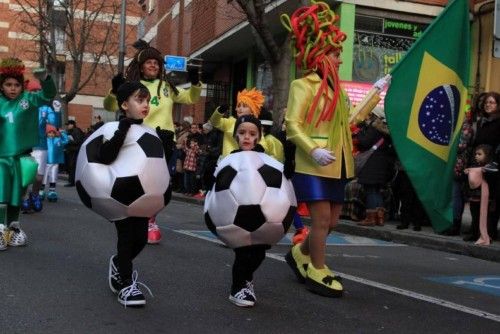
x: 425, y: 238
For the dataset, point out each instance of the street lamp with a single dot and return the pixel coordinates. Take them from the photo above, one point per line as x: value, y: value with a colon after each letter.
x: 121, y: 51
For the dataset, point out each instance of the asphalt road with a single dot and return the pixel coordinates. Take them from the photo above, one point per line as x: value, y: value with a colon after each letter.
x: 58, y: 283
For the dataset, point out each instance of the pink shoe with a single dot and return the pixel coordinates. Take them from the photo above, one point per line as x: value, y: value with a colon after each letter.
x: 154, y: 233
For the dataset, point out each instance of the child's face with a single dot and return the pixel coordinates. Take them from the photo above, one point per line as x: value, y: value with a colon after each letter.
x: 150, y: 69
x: 480, y: 156
x: 11, y: 88
x: 247, y: 136
x: 136, y: 107
x: 51, y: 134
x: 242, y: 109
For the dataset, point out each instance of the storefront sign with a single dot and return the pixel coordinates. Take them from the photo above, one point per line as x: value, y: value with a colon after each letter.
x: 402, y: 28
x: 358, y: 90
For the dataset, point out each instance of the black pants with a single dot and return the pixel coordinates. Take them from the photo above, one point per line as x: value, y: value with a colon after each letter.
x: 411, y: 210
x: 71, y: 157
x: 246, y: 261
x: 132, y: 237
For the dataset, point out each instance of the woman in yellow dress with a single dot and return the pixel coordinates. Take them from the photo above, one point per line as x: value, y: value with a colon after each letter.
x: 317, y: 122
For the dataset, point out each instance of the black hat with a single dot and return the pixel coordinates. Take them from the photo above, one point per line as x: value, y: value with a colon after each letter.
x: 72, y: 122
x: 244, y: 119
x: 266, y: 117
x: 127, y: 89
x: 145, y: 52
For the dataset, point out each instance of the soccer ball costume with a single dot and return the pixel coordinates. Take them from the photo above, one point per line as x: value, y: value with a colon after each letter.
x: 135, y: 184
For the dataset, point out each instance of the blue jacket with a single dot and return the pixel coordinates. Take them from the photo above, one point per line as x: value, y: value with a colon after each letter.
x: 55, y: 148
x: 46, y: 115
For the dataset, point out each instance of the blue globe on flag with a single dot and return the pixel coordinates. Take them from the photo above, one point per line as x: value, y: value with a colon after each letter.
x: 438, y: 114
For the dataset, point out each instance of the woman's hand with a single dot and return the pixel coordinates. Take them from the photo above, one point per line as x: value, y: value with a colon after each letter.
x: 322, y: 156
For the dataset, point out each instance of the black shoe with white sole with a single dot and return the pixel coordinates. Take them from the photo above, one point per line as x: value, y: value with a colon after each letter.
x: 130, y: 295
x: 244, y: 297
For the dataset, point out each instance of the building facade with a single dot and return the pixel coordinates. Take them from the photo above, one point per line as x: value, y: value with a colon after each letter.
x: 25, y: 33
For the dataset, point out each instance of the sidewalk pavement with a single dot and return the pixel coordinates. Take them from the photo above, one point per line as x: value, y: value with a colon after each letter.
x: 425, y: 238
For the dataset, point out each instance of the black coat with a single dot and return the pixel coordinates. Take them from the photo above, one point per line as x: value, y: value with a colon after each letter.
x: 379, y: 169
x: 488, y: 132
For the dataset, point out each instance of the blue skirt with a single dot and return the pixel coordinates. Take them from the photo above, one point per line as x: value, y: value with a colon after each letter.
x: 311, y: 188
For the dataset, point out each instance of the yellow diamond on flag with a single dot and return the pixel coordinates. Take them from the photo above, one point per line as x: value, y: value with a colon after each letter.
x: 438, y: 107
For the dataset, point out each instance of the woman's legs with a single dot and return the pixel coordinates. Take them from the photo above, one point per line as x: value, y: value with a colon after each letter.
x: 324, y: 217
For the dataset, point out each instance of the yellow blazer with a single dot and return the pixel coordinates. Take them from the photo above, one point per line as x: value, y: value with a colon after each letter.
x: 160, y: 109
x: 334, y: 135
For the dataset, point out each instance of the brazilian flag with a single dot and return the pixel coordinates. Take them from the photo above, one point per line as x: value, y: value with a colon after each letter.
x: 425, y: 108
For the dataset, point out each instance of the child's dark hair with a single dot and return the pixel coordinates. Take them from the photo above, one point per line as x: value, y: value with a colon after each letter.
x: 129, y: 88
x: 487, y: 149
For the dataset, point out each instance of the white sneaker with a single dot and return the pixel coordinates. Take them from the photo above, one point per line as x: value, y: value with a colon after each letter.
x: 4, y: 234
x: 17, y: 236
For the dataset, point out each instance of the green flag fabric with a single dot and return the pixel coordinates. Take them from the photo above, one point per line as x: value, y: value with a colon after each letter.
x: 425, y: 108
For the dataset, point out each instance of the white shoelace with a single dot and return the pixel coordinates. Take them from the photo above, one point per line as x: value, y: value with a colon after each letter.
x: 248, y: 290
x: 132, y: 289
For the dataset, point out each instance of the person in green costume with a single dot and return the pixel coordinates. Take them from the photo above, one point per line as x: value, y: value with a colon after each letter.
x: 19, y: 129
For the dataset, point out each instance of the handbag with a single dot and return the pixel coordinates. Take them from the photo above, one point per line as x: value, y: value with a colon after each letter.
x: 361, y: 158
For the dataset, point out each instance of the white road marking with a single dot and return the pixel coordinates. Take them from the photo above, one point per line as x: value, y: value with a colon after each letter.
x: 403, y: 292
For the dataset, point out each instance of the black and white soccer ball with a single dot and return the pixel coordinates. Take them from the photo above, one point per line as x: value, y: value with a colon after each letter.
x: 136, y: 184
x: 251, y: 201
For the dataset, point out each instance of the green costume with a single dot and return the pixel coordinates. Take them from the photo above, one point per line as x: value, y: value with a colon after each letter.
x: 19, y: 133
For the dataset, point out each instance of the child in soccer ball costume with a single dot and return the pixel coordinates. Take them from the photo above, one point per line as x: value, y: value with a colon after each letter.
x: 247, y: 134
x: 19, y: 134
x: 147, y: 66
x: 56, y: 141
x: 133, y: 99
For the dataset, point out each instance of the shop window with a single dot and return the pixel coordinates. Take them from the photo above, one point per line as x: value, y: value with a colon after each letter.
x: 379, y: 44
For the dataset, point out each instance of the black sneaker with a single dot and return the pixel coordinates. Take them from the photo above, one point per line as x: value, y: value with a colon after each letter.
x: 130, y: 295
x: 244, y: 297
x: 491, y: 167
x: 114, y: 279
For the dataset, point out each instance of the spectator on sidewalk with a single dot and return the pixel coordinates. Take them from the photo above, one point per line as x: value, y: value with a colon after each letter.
x: 411, y: 209
x: 488, y: 132
x: 378, y: 170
